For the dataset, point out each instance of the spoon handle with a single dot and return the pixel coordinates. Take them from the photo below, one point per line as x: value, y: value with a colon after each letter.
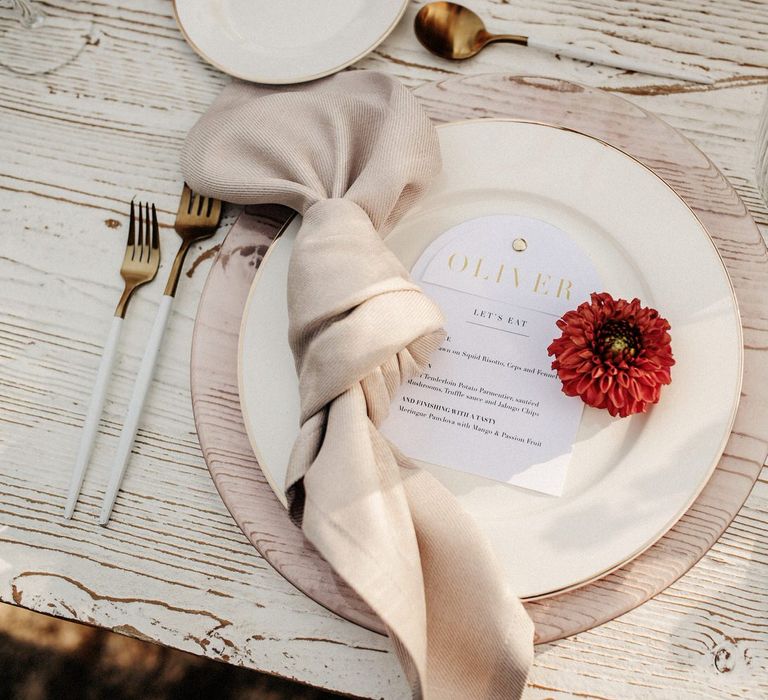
x: 618, y: 61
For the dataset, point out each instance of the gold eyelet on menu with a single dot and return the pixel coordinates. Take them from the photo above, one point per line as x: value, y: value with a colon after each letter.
x: 519, y: 244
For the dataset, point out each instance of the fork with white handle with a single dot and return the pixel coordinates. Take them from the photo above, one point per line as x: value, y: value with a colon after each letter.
x: 139, y: 266
x: 197, y: 218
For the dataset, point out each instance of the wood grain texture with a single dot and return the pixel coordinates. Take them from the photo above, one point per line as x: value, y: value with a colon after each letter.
x: 173, y: 567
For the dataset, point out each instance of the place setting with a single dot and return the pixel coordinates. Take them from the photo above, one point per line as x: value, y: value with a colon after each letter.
x: 467, y: 364
x: 242, y: 322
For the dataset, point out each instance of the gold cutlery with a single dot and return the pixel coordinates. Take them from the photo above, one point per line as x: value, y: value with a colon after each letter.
x: 139, y: 266
x: 197, y: 218
x: 450, y: 30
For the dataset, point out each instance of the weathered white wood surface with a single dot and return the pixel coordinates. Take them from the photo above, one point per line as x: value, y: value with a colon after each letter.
x: 78, y: 143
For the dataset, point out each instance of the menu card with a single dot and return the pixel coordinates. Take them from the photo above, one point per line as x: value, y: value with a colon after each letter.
x: 489, y: 402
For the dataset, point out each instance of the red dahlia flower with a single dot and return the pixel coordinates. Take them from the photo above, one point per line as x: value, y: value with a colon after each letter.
x: 614, y: 354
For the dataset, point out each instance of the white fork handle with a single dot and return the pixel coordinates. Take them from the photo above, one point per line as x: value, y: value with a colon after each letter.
x: 140, y: 389
x: 617, y: 61
x: 96, y: 406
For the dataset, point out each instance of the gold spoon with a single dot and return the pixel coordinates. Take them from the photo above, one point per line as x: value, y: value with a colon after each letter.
x: 453, y: 31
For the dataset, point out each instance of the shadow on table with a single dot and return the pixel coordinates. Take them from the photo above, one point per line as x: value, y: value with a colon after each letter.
x: 43, y: 657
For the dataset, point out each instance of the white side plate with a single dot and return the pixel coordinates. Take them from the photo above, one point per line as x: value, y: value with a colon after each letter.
x: 285, y: 41
x: 629, y: 480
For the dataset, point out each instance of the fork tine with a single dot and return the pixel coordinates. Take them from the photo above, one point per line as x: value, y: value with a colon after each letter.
x: 155, y: 230
x: 147, y: 232
x: 145, y: 241
x: 214, y: 209
x: 139, y: 233
x: 130, y: 245
x: 184, y: 201
x: 131, y: 227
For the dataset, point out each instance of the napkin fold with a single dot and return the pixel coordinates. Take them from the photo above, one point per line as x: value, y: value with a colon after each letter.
x: 351, y: 153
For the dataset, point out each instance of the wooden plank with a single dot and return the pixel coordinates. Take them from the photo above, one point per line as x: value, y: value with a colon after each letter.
x: 77, y: 144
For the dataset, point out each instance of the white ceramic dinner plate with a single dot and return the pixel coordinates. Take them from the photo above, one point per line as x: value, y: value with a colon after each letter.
x: 629, y: 479
x: 285, y: 41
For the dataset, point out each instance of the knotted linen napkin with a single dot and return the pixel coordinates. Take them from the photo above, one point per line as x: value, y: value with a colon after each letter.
x: 351, y: 153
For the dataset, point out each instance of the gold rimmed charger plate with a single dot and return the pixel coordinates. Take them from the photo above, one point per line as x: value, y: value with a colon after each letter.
x: 236, y: 472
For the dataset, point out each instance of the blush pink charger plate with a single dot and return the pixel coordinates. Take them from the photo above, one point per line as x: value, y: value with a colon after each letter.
x: 249, y: 497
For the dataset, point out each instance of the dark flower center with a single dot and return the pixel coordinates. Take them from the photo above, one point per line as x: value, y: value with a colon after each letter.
x: 618, y: 340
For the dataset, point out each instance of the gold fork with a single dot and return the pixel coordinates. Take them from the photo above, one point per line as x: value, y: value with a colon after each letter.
x: 197, y: 218
x: 140, y: 263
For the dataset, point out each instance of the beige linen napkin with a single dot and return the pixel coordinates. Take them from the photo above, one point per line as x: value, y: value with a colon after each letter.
x: 351, y: 153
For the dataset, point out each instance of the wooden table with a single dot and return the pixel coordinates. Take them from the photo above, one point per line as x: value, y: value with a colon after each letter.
x: 173, y: 567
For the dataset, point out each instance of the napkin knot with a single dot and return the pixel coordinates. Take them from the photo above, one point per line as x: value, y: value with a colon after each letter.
x: 365, y: 320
